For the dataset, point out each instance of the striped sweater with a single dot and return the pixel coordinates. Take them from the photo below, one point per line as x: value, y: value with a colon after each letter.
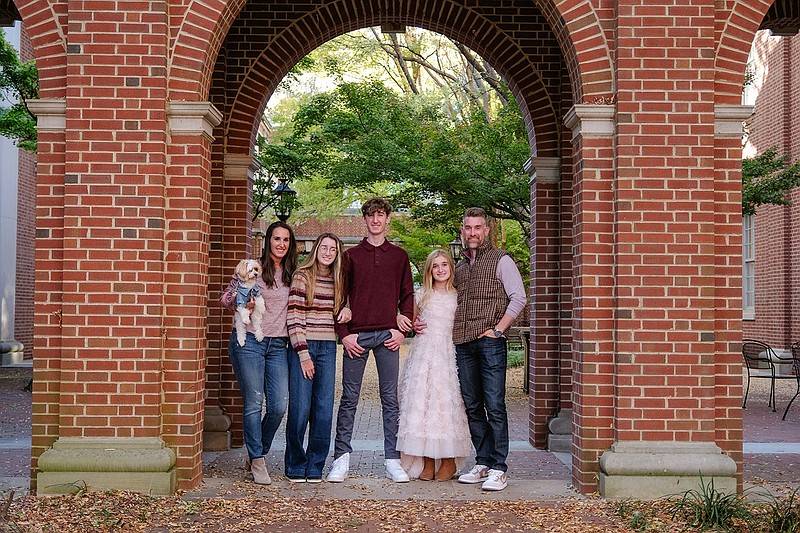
x: 310, y: 322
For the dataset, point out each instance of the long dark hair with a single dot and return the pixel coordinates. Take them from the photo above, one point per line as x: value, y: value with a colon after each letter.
x: 289, y: 261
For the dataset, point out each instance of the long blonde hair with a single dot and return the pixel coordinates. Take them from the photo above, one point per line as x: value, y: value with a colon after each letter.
x: 427, y: 276
x: 311, y: 267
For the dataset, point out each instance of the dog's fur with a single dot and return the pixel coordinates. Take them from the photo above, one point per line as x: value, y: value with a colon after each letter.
x: 247, y: 272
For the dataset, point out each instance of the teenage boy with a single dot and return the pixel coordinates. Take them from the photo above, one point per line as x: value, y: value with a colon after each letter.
x: 379, y: 283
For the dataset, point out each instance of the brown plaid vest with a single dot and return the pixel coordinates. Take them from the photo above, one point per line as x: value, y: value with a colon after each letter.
x: 482, y: 300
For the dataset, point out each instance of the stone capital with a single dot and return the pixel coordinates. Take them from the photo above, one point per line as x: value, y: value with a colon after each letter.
x: 196, y: 118
x: 728, y: 119
x: 238, y: 165
x: 51, y: 114
x: 544, y: 169
x: 591, y: 120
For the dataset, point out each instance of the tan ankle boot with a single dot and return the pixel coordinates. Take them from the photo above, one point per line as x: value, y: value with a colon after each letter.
x: 447, y: 470
x: 259, y: 468
x: 427, y: 469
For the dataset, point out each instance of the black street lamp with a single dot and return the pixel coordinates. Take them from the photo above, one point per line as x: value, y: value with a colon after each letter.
x: 455, y: 247
x: 286, y: 198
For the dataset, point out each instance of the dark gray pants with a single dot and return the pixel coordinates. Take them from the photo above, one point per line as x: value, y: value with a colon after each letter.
x: 388, y: 364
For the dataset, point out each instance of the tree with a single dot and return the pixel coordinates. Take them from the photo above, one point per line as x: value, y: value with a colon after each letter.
x: 19, y: 82
x: 765, y: 180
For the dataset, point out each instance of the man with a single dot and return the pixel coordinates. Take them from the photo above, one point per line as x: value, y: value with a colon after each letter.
x: 490, y: 296
x: 379, y: 282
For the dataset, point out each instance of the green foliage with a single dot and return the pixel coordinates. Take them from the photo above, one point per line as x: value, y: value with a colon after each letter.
x: 708, y: 509
x: 765, y: 180
x: 515, y: 357
x: 782, y: 514
x: 418, y: 241
x: 365, y: 137
x: 636, y: 519
x: 19, y: 82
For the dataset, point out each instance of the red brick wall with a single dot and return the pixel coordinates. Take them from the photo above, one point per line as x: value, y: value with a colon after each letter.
x: 774, y: 123
x: 139, y: 228
x: 26, y: 224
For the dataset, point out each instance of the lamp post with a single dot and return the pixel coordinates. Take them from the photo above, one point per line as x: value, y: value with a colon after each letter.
x: 285, y: 200
x: 455, y: 247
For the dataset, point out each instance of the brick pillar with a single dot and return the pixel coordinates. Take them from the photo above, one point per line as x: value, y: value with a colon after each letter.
x: 545, y: 326
x: 128, y: 368
x: 51, y: 125
x: 666, y: 344
x: 593, y: 289
x: 231, y: 243
x: 184, y: 332
x: 728, y: 290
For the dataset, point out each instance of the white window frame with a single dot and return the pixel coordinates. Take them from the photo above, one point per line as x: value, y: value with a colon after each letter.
x: 748, y: 267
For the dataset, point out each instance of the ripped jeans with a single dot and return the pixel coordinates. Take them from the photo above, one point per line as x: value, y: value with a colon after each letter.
x: 262, y: 370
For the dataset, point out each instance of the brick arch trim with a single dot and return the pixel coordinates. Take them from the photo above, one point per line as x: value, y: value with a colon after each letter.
x: 196, y: 42
x: 45, y: 28
x: 585, y: 48
x: 735, y: 34
x: 326, y: 22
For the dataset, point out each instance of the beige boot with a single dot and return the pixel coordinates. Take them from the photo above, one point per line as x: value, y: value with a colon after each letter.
x: 427, y: 469
x: 259, y: 468
x: 447, y: 470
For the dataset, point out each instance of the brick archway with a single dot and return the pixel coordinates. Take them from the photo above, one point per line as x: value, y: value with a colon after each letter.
x: 533, y: 90
x: 143, y: 201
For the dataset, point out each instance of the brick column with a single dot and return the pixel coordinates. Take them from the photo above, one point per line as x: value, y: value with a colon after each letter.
x: 231, y: 242
x: 665, y: 271
x: 593, y: 289
x: 545, y: 301
x: 184, y: 333
x: 50, y: 125
x: 728, y: 268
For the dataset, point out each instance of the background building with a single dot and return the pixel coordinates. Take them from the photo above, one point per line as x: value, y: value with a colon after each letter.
x: 771, y: 274
x: 17, y: 234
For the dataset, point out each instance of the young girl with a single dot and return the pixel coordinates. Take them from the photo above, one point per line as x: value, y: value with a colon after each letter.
x: 433, y: 423
x: 316, y: 295
x: 262, y: 367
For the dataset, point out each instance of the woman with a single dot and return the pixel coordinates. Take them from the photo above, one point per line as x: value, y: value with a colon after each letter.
x: 262, y: 368
x: 433, y: 422
x: 316, y: 295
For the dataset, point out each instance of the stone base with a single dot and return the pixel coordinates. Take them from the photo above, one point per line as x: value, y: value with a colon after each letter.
x: 77, y: 464
x: 560, y: 437
x: 652, y: 470
x: 11, y: 352
x: 216, y: 425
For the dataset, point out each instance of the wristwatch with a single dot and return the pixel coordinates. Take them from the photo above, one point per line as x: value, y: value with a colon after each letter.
x: 497, y: 332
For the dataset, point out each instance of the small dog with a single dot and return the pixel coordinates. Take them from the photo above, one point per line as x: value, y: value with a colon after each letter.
x: 247, y: 272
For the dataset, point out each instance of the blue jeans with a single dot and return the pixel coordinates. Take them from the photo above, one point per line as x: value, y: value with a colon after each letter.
x: 482, y: 375
x: 388, y: 363
x: 310, y: 407
x: 262, y: 370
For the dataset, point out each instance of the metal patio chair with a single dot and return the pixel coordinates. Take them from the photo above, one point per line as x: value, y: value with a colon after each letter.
x: 796, y: 370
x: 759, y: 361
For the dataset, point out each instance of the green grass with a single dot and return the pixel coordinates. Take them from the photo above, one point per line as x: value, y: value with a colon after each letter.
x: 516, y: 357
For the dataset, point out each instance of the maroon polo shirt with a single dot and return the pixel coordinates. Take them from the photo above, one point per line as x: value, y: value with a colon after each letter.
x: 380, y: 283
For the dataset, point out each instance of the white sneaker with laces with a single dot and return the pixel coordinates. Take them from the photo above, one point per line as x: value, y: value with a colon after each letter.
x: 476, y: 475
x: 497, y: 480
x: 395, y: 472
x: 339, y: 469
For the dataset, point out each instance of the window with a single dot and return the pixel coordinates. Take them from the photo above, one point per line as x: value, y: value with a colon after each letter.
x: 748, y: 268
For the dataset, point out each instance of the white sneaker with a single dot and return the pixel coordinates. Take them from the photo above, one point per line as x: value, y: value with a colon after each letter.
x: 497, y: 480
x: 395, y: 472
x: 339, y: 469
x: 476, y: 475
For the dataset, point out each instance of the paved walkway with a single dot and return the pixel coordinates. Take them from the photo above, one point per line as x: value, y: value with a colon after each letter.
x: 771, y: 454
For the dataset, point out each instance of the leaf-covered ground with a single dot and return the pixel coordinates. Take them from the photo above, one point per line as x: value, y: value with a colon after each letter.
x: 127, y: 511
